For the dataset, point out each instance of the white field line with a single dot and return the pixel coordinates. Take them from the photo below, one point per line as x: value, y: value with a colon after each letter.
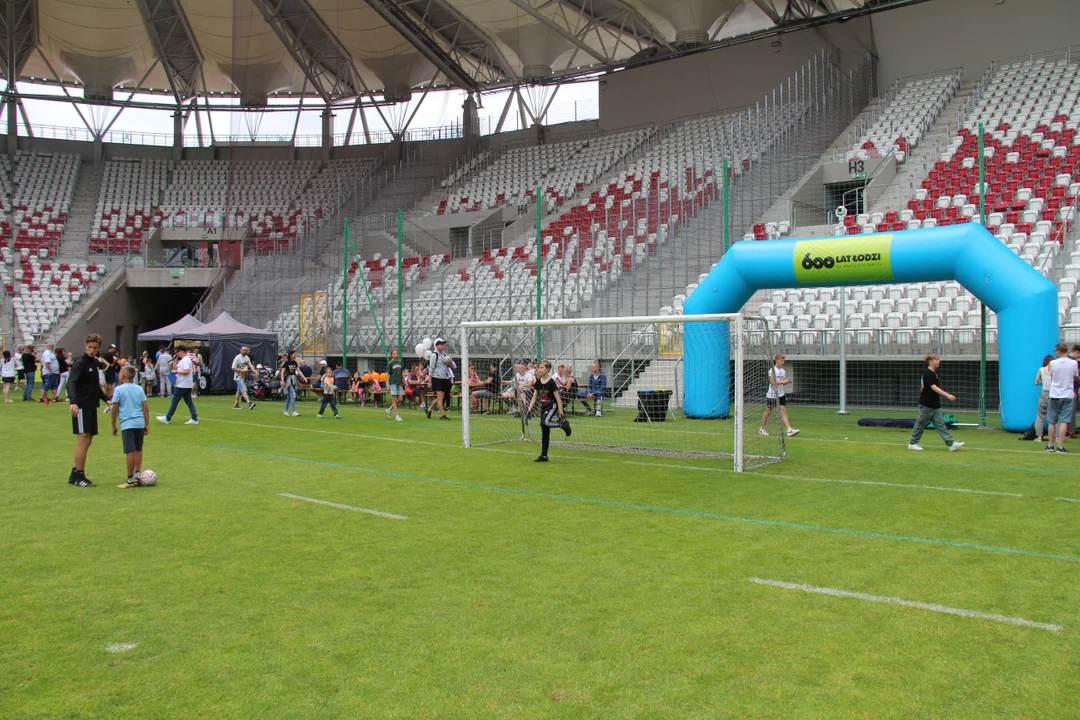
x: 1072, y: 500
x: 344, y: 507
x: 120, y: 647
x: 670, y: 466
x: 910, y: 604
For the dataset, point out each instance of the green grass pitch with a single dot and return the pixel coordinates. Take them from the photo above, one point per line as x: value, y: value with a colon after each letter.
x: 600, y: 585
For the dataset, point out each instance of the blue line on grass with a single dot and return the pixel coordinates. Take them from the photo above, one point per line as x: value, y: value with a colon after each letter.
x: 651, y: 508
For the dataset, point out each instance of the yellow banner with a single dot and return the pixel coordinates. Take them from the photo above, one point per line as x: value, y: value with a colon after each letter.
x: 314, y: 321
x: 836, y: 261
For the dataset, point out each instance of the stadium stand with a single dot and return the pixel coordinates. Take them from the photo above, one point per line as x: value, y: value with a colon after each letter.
x: 131, y: 190
x: 905, y: 119
x: 44, y: 291
x: 41, y: 187
x: 562, y: 169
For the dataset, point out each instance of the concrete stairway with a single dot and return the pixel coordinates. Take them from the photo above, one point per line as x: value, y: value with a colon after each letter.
x: 74, y: 247
x: 660, y: 374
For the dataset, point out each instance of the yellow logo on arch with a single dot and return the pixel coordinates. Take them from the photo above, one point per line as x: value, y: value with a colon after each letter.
x: 838, y: 261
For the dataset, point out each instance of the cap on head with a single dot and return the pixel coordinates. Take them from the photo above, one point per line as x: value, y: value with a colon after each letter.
x: 322, y: 362
x: 440, y: 341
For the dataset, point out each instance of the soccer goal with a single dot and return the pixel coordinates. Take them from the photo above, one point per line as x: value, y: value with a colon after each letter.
x: 626, y: 379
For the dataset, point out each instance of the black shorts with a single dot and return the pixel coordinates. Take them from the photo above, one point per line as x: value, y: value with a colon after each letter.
x: 111, y: 376
x: 85, y: 423
x: 773, y: 402
x: 20, y: 374
x: 9, y: 380
x: 441, y: 385
x: 133, y: 440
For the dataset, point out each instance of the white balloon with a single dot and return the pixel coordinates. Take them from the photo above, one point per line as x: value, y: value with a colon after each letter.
x: 419, y: 349
x: 428, y: 343
x: 427, y: 354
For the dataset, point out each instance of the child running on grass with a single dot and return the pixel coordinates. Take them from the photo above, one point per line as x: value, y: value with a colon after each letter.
x: 776, y: 396
x: 329, y: 392
x: 129, y: 406
x: 551, y: 408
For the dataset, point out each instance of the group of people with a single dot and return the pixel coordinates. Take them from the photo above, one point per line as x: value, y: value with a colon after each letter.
x: 1059, y: 381
x: 21, y: 369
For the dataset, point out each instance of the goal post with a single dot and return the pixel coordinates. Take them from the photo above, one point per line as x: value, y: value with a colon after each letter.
x: 635, y: 402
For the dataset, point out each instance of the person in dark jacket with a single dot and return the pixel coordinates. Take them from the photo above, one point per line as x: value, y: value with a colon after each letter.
x: 84, y: 396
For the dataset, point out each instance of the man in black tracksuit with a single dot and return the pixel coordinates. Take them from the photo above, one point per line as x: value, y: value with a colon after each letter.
x: 84, y: 394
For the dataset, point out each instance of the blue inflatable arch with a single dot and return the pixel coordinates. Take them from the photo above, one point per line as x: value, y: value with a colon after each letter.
x: 1024, y: 300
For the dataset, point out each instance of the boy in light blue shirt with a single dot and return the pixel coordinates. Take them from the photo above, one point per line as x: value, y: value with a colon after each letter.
x: 130, y: 408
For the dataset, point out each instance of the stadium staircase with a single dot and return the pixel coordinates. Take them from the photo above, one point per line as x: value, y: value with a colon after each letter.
x: 76, y: 236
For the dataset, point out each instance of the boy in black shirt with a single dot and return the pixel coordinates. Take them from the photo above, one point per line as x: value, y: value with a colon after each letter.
x: 84, y: 393
x: 547, y: 392
x: 930, y: 395
x: 29, y: 363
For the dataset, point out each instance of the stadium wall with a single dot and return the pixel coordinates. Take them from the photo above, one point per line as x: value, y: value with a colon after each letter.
x: 970, y: 33
x: 730, y: 77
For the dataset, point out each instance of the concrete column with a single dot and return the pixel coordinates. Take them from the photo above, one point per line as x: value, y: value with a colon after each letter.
x: 327, y: 134
x: 12, y: 126
x: 178, y: 135
x: 470, y: 124
x: 99, y: 150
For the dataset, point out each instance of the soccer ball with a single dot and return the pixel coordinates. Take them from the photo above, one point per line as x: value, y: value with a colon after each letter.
x: 147, y: 478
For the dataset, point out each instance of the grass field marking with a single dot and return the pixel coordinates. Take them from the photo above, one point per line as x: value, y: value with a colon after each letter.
x: 344, y: 507
x: 120, y: 647
x: 671, y: 511
x: 669, y: 466
x: 935, y: 461
x: 1072, y: 500
x: 932, y: 607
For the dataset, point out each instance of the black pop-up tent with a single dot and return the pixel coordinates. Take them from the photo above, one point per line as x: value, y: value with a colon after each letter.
x: 225, y: 336
x: 179, y: 329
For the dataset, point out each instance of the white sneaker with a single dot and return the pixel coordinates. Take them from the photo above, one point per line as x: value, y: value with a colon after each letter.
x: 162, y: 419
x: 295, y: 414
x: 286, y: 414
x: 192, y: 422
x: 398, y: 418
x: 762, y: 432
x: 599, y: 414
x: 913, y: 446
x: 956, y: 446
x: 792, y: 432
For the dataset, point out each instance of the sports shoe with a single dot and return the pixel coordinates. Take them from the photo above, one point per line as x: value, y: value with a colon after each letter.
x: 251, y: 406
x: 565, y: 424
x: 83, y: 481
x: 337, y: 417
x: 914, y: 446
x: 192, y: 421
x: 398, y: 418
x: 442, y: 417
x: 235, y: 407
x: 1061, y: 449
x: 428, y: 411
x: 387, y: 413
x: 542, y: 458
x: 956, y: 446
x: 286, y: 413
x: 162, y: 419
x: 762, y: 432
x: 318, y: 416
x: 792, y: 432
x: 295, y: 414
x: 599, y: 414
x: 132, y: 483
x: 1048, y: 448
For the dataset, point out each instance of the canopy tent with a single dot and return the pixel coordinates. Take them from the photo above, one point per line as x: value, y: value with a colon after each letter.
x: 226, y: 335
x: 182, y: 328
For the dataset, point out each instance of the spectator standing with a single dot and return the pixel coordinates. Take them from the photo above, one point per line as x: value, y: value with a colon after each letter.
x: 1042, y: 379
x: 440, y: 366
x: 1074, y: 353
x: 149, y: 373
x: 196, y: 370
x: 185, y: 378
x: 20, y: 371
x: 396, y: 381
x: 84, y: 395
x: 130, y: 408
x: 29, y: 363
x: 242, y: 370
x: 291, y: 376
x: 930, y: 395
x: 1063, y: 374
x: 111, y: 366
x: 164, y: 367
x: 50, y: 373
x: 64, y: 358
x: 7, y: 375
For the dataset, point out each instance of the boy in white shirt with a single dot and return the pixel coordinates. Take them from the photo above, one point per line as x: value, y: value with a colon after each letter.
x: 776, y: 396
x: 1063, y: 373
x: 185, y: 380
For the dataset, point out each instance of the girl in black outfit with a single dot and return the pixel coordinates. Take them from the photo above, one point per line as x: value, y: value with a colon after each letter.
x: 551, y: 407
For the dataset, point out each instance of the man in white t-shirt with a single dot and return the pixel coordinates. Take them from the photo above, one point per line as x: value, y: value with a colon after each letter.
x: 50, y: 373
x: 776, y: 396
x: 242, y: 371
x: 1063, y: 373
x: 185, y: 380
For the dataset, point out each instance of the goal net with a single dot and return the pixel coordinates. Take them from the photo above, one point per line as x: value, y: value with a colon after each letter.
x: 626, y: 382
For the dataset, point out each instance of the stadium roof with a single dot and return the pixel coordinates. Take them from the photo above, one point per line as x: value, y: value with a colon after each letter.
x: 341, y: 49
